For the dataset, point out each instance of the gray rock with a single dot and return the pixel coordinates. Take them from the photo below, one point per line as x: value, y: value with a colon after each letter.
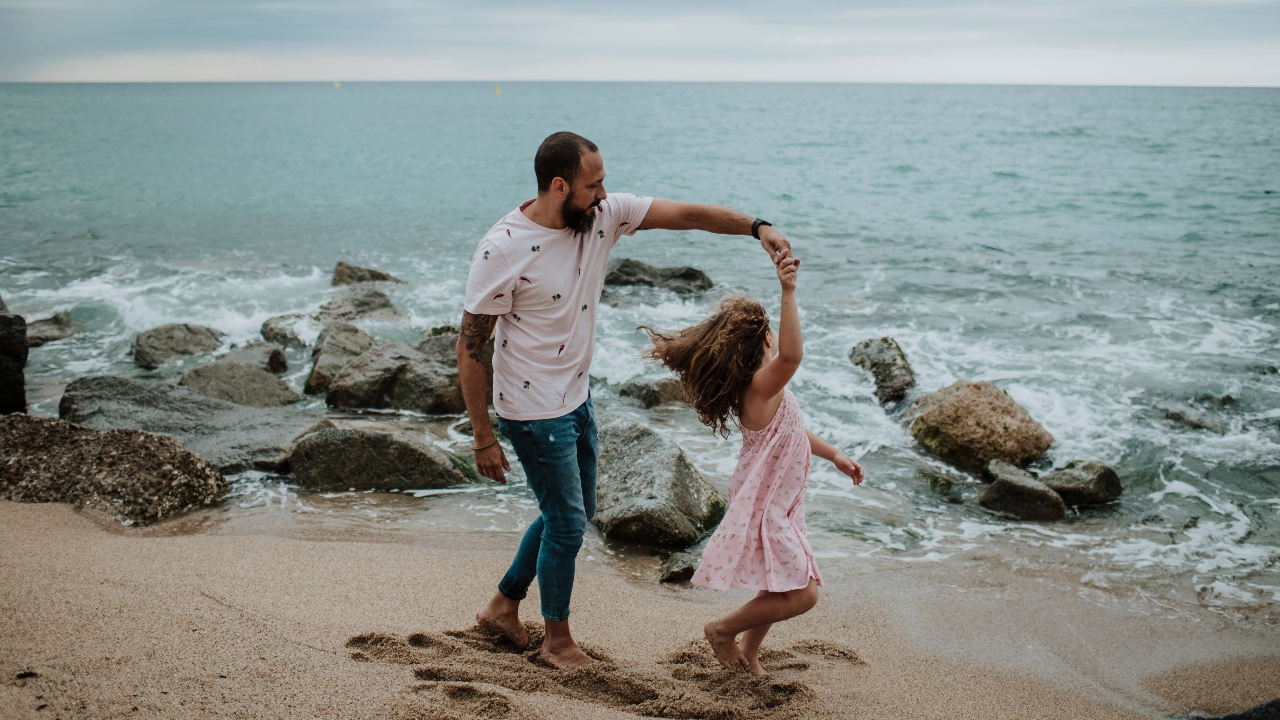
x: 13, y: 361
x: 625, y: 271
x: 239, y: 383
x: 46, y: 331
x: 398, y: 377
x: 361, y: 301
x: 136, y: 477
x: 887, y: 364
x: 158, y: 346
x: 338, y: 344
x: 465, y: 428
x: 1191, y: 418
x: 443, y: 330
x: 3, y: 308
x: 1083, y: 483
x: 442, y: 347
x: 348, y: 274
x: 680, y: 566
x: 648, y: 491
x: 971, y: 423
x: 279, y: 330
x: 652, y: 393
x: 339, y: 459
x: 1016, y: 492
x: 264, y: 355
x: 233, y: 437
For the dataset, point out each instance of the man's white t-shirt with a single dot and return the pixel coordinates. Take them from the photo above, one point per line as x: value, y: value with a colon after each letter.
x: 544, y: 285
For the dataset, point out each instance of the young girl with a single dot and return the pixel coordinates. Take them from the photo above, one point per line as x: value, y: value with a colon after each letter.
x: 732, y: 366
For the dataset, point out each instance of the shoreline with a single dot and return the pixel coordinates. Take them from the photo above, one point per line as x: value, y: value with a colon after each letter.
x: 251, y: 624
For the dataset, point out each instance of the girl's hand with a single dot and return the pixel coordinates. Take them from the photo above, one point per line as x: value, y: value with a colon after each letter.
x: 847, y: 466
x: 788, y: 268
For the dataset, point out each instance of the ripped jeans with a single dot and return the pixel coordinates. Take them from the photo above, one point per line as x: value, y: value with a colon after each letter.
x: 559, y: 459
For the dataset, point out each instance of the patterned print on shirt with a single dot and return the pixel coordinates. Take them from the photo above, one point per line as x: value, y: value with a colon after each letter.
x: 560, y: 351
x: 504, y: 342
x: 536, y: 248
x: 500, y: 397
x: 486, y: 255
x: 584, y: 308
x: 555, y: 297
x: 601, y: 232
x: 499, y: 295
x: 517, y: 317
x: 526, y: 384
x: 526, y: 279
x: 508, y: 232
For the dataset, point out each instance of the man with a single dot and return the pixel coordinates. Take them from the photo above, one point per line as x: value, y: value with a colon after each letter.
x: 537, y: 276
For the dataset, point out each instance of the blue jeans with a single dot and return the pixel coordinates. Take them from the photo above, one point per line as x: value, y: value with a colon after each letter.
x: 559, y: 459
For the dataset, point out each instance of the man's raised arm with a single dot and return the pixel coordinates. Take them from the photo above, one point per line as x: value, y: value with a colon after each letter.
x: 672, y: 215
x: 490, y: 460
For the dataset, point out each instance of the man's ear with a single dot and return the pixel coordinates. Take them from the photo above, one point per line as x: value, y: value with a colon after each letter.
x: 559, y: 186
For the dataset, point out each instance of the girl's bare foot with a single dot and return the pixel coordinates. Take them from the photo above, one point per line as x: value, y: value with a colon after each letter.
x: 502, y: 614
x: 725, y: 647
x: 753, y: 663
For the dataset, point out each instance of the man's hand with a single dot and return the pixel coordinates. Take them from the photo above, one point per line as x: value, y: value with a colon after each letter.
x: 491, y: 461
x: 774, y: 243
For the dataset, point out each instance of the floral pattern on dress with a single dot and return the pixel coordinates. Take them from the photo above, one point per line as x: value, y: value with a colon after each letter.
x: 761, y: 543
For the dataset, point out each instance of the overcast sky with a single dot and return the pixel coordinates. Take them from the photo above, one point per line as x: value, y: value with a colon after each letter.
x: 1092, y: 42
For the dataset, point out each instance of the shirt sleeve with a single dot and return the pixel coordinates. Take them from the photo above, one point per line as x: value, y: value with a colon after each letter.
x: 628, y: 212
x: 489, y: 282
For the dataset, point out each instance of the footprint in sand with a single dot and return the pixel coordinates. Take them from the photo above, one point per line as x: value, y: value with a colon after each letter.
x: 695, y: 686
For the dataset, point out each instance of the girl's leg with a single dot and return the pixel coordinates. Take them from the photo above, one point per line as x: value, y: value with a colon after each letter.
x: 765, y: 609
x: 750, y: 647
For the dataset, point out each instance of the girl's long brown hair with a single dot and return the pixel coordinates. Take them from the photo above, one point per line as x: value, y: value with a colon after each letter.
x: 715, y: 359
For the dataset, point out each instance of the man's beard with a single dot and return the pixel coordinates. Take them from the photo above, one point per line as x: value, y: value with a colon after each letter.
x: 579, y: 220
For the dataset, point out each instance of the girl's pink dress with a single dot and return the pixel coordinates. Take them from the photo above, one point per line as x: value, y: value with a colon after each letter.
x: 760, y: 543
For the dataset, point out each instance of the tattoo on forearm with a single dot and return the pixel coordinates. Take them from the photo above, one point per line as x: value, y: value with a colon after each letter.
x: 475, y: 332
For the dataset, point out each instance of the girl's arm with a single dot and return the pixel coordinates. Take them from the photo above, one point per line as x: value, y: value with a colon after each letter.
x: 773, y: 377
x: 843, y: 463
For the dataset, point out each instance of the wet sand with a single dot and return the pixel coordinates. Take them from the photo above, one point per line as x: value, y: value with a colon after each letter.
x: 103, y: 621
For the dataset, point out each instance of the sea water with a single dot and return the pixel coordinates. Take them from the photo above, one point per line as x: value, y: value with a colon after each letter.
x: 1098, y: 253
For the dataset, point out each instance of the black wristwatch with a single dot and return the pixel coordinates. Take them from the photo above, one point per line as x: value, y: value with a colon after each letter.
x: 755, y: 227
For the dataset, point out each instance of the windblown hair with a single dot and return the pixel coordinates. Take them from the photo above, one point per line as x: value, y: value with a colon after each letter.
x: 715, y: 359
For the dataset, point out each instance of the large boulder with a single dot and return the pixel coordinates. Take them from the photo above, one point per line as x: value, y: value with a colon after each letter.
x: 158, y: 346
x: 652, y: 393
x: 136, y: 477
x: 361, y: 301
x: 233, y: 437
x: 648, y: 491
x: 398, y: 377
x: 13, y: 361
x: 279, y: 330
x: 971, y: 423
x: 338, y: 344
x: 263, y: 355
x: 887, y: 364
x: 441, y: 346
x: 1015, y: 492
x: 239, y: 383
x: 625, y: 271
x: 340, y: 459
x: 347, y: 274
x: 1082, y: 483
x: 46, y: 331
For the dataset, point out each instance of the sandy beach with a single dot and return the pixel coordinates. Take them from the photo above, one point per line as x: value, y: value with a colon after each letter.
x: 192, y: 620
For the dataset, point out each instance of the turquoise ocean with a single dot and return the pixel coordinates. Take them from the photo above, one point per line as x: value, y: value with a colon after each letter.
x: 1096, y: 252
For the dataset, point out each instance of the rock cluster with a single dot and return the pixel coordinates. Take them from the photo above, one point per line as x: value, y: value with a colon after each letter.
x: 48, y: 330
x: 158, y: 346
x: 968, y: 424
x: 887, y: 364
x: 1018, y: 493
x: 625, y: 271
x: 652, y: 393
x: 136, y: 477
x: 397, y: 377
x: 347, y: 274
x: 340, y: 459
x: 338, y: 344
x: 13, y: 361
x: 239, y: 383
x: 361, y: 301
x: 263, y: 355
x: 233, y: 437
x: 648, y: 491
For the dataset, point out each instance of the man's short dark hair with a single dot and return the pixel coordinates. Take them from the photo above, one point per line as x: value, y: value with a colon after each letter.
x: 560, y: 156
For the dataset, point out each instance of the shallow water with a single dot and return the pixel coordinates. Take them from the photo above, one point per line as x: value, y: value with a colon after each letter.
x: 1096, y: 252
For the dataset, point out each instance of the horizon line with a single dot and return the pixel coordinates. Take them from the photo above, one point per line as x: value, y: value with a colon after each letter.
x: 632, y: 81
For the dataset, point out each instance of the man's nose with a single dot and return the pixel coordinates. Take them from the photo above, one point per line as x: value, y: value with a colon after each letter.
x: 601, y: 194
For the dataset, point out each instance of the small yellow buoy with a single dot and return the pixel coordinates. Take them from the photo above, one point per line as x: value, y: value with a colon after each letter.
x: 497, y: 90
x: 337, y: 86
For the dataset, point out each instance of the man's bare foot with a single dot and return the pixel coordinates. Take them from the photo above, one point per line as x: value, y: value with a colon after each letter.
x: 502, y: 614
x: 559, y: 649
x: 725, y: 647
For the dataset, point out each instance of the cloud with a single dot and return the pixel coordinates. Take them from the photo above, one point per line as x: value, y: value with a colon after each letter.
x: 1193, y: 42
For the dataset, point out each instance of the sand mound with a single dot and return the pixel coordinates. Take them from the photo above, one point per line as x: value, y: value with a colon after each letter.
x: 465, y: 672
